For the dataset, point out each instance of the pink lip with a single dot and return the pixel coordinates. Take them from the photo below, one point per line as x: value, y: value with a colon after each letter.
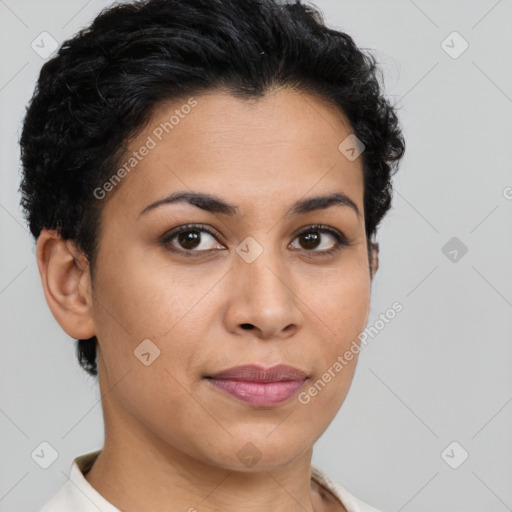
x: 259, y: 386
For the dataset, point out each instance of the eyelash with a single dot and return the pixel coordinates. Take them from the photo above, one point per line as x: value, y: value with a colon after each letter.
x: 341, y: 240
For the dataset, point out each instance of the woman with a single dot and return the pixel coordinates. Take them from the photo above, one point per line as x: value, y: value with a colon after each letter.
x: 205, y: 179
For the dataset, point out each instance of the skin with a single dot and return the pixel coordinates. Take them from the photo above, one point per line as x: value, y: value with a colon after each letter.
x: 171, y: 440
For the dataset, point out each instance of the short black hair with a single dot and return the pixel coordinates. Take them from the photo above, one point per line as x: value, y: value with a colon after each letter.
x: 104, y: 83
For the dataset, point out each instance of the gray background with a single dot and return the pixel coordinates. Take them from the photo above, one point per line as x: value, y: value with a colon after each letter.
x: 439, y: 372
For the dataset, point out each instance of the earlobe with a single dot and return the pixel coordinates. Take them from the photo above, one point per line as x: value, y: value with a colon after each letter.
x: 66, y: 282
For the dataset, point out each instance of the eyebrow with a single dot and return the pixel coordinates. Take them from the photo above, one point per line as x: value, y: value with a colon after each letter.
x: 211, y: 203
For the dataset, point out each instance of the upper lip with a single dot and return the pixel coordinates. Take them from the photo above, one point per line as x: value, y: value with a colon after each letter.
x: 256, y: 373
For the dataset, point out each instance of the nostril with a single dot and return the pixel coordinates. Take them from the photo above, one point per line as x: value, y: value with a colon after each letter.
x: 247, y: 326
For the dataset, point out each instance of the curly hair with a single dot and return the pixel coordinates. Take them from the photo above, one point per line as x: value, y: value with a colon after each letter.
x: 103, y: 84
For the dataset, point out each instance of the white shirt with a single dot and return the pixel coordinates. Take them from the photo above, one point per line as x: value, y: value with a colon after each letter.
x: 78, y: 495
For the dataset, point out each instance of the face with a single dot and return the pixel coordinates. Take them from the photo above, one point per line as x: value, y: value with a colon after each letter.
x: 257, y: 282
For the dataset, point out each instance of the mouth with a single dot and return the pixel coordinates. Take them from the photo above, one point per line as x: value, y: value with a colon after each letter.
x: 258, y: 386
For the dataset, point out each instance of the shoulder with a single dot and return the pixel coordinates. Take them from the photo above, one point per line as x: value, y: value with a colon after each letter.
x: 347, y: 499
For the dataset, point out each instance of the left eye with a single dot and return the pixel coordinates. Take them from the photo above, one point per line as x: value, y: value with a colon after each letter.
x: 312, y: 240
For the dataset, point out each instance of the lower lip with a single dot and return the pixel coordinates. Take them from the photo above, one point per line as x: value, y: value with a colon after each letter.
x: 263, y: 394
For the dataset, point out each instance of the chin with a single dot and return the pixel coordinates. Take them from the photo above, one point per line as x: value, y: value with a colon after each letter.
x: 256, y: 453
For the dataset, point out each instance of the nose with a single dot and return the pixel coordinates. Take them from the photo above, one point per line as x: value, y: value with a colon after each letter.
x: 263, y: 298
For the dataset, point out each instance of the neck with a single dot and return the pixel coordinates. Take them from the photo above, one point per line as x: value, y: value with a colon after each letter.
x: 133, y: 478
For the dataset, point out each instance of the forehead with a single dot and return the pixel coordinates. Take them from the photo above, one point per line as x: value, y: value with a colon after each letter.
x: 285, y: 143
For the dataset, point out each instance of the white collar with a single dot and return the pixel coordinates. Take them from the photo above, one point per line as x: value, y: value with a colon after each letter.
x: 77, y: 494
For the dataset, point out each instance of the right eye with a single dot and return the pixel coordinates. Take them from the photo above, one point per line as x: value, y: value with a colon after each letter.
x: 190, y: 239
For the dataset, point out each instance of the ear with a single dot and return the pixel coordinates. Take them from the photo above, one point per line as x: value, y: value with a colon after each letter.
x: 374, y: 258
x: 66, y: 283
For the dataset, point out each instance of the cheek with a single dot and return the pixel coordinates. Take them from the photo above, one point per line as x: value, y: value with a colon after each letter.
x: 343, y: 307
x: 136, y: 296
x: 342, y: 302
x: 144, y: 298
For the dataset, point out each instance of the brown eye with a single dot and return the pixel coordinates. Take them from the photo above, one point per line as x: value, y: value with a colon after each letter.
x: 309, y: 240
x: 321, y: 240
x: 191, y: 239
